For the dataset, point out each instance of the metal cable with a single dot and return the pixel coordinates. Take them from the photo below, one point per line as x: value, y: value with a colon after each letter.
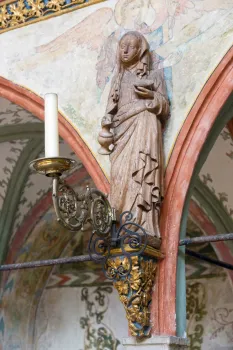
x: 216, y: 238
x: 209, y: 260
x: 42, y: 263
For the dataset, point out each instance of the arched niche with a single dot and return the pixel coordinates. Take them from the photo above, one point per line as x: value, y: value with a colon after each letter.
x: 211, y: 111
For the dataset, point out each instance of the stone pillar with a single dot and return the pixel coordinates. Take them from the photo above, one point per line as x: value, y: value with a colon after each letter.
x: 156, y: 343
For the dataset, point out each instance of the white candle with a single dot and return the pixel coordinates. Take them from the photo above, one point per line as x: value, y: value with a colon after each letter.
x: 51, y: 126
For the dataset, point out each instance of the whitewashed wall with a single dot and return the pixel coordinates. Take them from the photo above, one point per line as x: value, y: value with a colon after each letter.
x: 60, y: 321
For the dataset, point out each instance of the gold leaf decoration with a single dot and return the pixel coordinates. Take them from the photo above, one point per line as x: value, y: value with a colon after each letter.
x: 122, y: 287
x: 135, y: 291
x: 55, y: 5
x: 19, y: 12
x: 23, y: 12
x: 4, y: 17
x: 36, y: 7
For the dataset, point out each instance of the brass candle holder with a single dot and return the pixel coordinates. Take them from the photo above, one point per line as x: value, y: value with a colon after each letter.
x: 74, y: 211
x: 52, y: 167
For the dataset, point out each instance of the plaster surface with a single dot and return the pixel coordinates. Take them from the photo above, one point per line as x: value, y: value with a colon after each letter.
x: 216, y: 173
x: 59, y: 327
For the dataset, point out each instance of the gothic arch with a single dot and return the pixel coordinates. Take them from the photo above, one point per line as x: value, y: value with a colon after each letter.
x: 181, y: 166
x: 35, y: 104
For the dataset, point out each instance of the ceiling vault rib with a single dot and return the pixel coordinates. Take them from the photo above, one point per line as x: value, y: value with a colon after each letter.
x: 15, y: 188
x: 214, y: 208
x: 21, y: 131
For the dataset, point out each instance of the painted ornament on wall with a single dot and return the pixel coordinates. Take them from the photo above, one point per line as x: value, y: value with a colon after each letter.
x: 175, y: 30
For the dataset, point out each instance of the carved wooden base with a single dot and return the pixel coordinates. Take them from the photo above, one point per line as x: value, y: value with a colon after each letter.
x: 135, y: 290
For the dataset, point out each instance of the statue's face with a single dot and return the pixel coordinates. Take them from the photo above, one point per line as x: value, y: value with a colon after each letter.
x: 129, y: 49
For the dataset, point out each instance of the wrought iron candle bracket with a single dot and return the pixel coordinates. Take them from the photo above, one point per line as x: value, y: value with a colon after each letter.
x: 111, y: 237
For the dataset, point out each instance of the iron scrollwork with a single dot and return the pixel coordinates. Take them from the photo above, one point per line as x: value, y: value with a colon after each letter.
x: 126, y: 239
x: 110, y: 237
x: 116, y: 243
x: 74, y: 211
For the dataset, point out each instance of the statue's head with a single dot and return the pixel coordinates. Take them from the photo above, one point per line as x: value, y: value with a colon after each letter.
x: 133, y: 48
x: 129, y: 48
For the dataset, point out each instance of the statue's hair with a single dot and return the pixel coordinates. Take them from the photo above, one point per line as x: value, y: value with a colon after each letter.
x: 143, y: 65
x: 144, y: 57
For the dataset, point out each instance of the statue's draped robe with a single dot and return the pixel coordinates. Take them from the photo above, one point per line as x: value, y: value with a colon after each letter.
x: 137, y: 157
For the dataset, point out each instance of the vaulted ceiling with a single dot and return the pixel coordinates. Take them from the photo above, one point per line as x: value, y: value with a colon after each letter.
x: 212, y: 196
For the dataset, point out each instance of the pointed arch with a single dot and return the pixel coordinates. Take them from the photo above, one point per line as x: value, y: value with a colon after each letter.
x: 181, y: 166
x: 35, y: 104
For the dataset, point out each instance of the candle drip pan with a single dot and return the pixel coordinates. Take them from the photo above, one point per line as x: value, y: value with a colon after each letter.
x: 52, y: 167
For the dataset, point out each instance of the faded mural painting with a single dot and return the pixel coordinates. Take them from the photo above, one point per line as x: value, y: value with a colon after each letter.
x: 187, y: 39
x: 94, y: 325
x: 28, y: 226
x: 211, y: 175
x: 75, y: 305
x: 100, y: 320
x: 209, y: 295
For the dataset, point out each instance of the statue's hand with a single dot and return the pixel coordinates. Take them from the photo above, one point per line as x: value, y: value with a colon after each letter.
x: 144, y: 92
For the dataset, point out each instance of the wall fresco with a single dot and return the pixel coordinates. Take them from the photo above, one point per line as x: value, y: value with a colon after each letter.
x: 74, y: 307
x: 73, y: 55
x: 10, y: 152
x: 97, y: 324
x: 25, y: 286
x: 209, y: 294
x: 21, y: 140
x: 212, y: 175
x: 46, y: 239
x: 188, y: 39
x: 209, y: 315
x: 18, y: 13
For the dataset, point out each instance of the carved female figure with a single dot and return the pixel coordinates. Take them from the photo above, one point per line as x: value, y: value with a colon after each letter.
x: 137, y: 107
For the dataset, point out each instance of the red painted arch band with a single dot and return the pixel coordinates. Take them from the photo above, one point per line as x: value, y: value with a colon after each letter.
x: 178, y: 176
x: 35, y: 104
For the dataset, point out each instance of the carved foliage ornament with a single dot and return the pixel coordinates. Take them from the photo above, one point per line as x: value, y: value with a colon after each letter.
x: 135, y: 291
x: 14, y: 14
